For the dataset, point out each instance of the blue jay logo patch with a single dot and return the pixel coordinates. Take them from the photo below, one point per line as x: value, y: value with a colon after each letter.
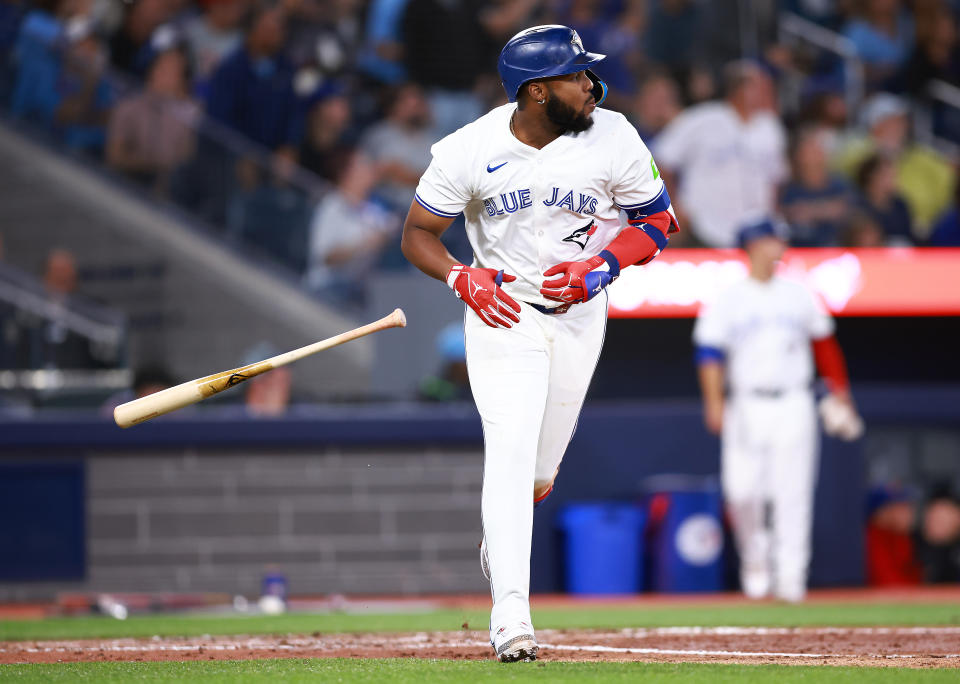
x: 581, y: 236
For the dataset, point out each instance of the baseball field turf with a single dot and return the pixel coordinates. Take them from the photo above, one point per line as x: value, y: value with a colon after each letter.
x: 822, y: 641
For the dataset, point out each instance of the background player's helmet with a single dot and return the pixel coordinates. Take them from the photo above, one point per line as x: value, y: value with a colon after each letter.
x: 766, y: 226
x: 544, y: 51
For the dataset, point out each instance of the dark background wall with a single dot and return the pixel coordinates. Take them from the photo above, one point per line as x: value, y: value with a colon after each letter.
x: 878, y: 350
x: 375, y: 499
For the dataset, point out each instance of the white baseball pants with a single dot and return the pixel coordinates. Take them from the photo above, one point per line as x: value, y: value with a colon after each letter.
x: 769, y: 459
x: 529, y: 383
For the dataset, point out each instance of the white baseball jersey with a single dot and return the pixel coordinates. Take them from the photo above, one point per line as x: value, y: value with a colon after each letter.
x: 528, y: 209
x: 729, y: 169
x: 765, y: 330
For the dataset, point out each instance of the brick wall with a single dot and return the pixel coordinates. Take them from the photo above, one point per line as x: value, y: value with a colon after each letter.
x: 349, y: 521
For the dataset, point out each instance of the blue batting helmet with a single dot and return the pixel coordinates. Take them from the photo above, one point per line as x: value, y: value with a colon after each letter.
x: 765, y: 226
x: 544, y: 51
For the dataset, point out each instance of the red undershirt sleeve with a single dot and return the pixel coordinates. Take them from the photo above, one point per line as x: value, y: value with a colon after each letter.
x: 831, y: 364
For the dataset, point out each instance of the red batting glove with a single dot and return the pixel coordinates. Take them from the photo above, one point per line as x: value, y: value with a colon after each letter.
x: 577, y: 281
x: 480, y: 289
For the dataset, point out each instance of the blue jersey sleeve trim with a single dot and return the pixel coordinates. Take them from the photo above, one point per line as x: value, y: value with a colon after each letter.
x: 705, y: 354
x: 434, y: 210
x: 652, y: 206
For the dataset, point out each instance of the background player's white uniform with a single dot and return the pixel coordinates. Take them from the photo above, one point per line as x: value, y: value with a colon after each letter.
x: 729, y: 168
x: 527, y: 210
x: 770, y: 436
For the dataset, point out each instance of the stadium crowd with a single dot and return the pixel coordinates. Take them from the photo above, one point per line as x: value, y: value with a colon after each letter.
x: 301, y: 127
x: 240, y: 110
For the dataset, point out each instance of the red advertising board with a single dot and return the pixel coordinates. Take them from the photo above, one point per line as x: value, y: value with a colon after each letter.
x: 851, y: 282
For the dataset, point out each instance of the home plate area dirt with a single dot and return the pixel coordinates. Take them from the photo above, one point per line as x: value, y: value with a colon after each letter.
x: 868, y: 646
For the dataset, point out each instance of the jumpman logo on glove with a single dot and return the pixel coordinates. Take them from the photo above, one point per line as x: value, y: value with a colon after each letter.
x: 480, y: 289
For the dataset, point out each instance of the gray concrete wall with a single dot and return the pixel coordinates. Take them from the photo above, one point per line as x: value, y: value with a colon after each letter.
x: 333, y: 521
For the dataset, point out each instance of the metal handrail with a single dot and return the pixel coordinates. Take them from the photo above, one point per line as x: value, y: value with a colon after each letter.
x: 796, y: 27
x: 23, y: 297
x: 57, y: 380
x: 944, y: 92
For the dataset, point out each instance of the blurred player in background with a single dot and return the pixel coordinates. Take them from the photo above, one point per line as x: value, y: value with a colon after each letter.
x: 755, y: 340
x: 725, y: 159
x: 541, y: 182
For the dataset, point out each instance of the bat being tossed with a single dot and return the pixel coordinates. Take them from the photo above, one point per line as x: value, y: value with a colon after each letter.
x: 192, y: 391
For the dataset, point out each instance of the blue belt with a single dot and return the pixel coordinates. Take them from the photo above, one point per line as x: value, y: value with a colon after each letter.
x: 563, y: 308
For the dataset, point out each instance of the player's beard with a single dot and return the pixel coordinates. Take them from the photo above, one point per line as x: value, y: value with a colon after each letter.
x: 566, y: 118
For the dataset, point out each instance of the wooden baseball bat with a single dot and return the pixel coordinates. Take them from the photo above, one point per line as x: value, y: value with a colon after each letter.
x: 192, y: 391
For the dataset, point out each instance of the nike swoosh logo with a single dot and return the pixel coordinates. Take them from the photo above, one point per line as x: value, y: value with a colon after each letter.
x: 491, y: 169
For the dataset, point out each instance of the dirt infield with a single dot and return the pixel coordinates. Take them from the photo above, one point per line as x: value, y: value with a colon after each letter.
x: 920, y: 647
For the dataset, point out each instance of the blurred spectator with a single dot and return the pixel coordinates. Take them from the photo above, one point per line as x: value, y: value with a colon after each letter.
x: 347, y: 234
x: 815, y: 202
x: 935, y: 55
x: 325, y: 34
x: 452, y: 383
x: 152, y: 132
x: 84, y: 93
x: 252, y: 89
x: 728, y: 31
x: 826, y: 113
x: 146, y: 380
x: 946, y: 231
x: 891, y: 557
x: 878, y: 198
x: 656, y: 104
x: 11, y: 15
x: 382, y: 56
x: 861, y: 230
x: 267, y: 395
x: 400, y: 146
x: 924, y: 178
x: 60, y: 79
x: 671, y: 34
x: 723, y: 161
x: 38, y: 56
x: 130, y: 45
x: 446, y: 50
x: 939, y: 550
x: 60, y: 274
x: 54, y: 343
x: 325, y: 145
x: 882, y: 35
x: 212, y: 35
x: 273, y: 215
x: 617, y: 27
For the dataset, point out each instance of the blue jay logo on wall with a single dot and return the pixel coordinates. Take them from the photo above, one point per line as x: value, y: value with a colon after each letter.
x: 699, y: 539
x: 581, y: 236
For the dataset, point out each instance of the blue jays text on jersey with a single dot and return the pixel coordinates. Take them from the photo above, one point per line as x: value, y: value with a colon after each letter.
x: 515, y: 200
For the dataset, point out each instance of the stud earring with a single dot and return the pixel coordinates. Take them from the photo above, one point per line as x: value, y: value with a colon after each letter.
x: 540, y: 101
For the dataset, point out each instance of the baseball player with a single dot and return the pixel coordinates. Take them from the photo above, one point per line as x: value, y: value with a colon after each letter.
x: 755, y: 338
x: 541, y: 182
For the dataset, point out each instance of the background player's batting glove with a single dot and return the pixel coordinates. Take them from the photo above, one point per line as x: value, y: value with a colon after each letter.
x: 480, y: 289
x: 579, y: 281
